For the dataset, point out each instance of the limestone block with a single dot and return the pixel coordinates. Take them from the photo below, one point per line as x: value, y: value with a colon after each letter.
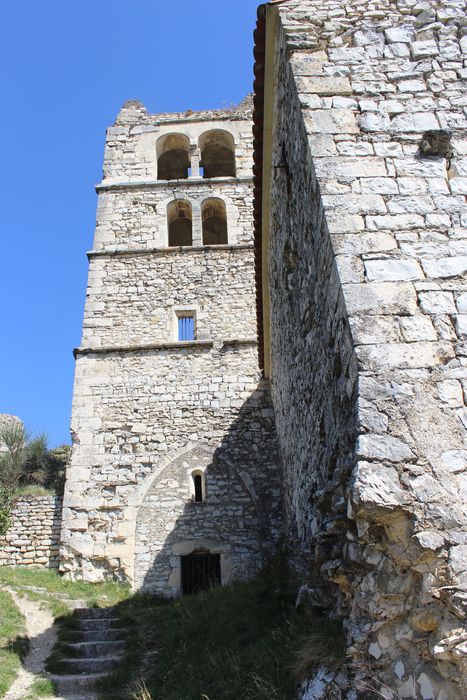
x: 355, y: 204
x: 411, y: 185
x: 355, y: 148
x: 415, y: 205
x: 347, y: 55
x: 375, y: 488
x: 455, y: 460
x: 388, y: 149
x: 391, y: 107
x: 383, y: 448
x: 422, y: 49
x: 380, y: 298
x: 350, y: 268
x: 404, y: 355
x: 363, y: 243
x: 370, y: 121
x: 367, y: 330
x: 416, y: 328
x: 393, y: 270
x: 395, y: 222
x: 330, y: 121
x: 461, y: 324
x: 399, y: 35
x: 411, y: 86
x: 458, y: 185
x: 323, y: 85
x: 350, y: 167
x: 322, y: 145
x: 418, y: 121
x: 414, y: 167
x: 345, y: 103
x: 445, y: 267
x: 450, y: 393
x: 344, y: 223
x: 379, y: 185
x: 437, y: 302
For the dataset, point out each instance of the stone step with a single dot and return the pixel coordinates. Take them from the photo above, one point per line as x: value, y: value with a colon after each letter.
x: 101, y: 663
x: 87, y: 624
x: 91, y: 649
x: 103, y: 635
x: 93, y: 613
x: 70, y: 685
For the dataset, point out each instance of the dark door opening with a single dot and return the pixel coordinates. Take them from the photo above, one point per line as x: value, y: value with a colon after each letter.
x: 200, y: 571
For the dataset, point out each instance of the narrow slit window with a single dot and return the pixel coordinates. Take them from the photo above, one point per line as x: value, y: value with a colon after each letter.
x: 186, y: 328
x: 198, y: 484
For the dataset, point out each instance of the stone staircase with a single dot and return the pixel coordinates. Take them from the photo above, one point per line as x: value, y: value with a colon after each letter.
x: 98, y: 651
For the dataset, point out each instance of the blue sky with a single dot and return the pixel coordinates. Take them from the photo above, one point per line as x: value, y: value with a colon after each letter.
x: 67, y: 68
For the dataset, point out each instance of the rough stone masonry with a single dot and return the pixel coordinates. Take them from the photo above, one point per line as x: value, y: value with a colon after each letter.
x: 361, y: 176
x: 174, y: 445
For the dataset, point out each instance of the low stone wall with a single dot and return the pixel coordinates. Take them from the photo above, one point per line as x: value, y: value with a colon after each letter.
x: 34, y: 534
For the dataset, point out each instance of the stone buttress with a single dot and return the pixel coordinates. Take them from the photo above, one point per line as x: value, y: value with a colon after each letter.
x: 174, y: 449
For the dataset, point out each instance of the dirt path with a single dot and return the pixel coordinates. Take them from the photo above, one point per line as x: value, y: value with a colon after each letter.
x: 41, y: 631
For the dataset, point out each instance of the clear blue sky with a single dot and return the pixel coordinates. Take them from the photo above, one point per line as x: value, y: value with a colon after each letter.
x: 67, y: 68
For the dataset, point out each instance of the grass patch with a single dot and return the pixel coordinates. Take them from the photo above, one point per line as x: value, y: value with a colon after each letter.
x: 95, y: 594
x: 12, y: 645
x: 40, y: 688
x: 245, y: 641
x: 33, y: 490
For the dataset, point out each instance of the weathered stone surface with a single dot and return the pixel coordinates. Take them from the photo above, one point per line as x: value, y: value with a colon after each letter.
x: 380, y: 298
x: 445, y: 267
x: 34, y: 533
x: 383, y: 448
x: 393, y: 270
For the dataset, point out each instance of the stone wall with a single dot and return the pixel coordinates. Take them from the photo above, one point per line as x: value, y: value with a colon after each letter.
x: 367, y: 293
x: 34, y: 535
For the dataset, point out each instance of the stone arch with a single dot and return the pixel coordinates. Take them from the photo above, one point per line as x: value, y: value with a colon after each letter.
x: 217, y: 153
x: 173, y: 159
x: 179, y: 223
x: 214, y: 221
x: 170, y: 524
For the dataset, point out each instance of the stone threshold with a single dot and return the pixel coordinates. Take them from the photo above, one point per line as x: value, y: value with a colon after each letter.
x: 170, y: 184
x: 169, y: 250
x: 175, y: 345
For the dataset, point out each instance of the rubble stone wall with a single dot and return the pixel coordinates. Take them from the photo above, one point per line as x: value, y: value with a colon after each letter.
x: 34, y: 534
x: 375, y: 338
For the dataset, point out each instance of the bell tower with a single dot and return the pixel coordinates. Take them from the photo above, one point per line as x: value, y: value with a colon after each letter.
x: 174, y: 470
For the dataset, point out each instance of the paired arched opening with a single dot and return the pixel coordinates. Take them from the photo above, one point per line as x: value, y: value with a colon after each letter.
x: 217, y: 154
x: 214, y: 222
x: 173, y: 160
x: 179, y: 220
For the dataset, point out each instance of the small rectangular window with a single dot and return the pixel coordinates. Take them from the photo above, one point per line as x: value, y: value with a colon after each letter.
x: 186, y: 327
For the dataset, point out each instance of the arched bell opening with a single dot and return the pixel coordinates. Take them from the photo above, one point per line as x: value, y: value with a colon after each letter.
x: 214, y: 222
x: 173, y: 160
x: 179, y: 223
x: 217, y: 154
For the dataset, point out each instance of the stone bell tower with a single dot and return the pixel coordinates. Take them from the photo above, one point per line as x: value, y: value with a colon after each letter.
x: 174, y: 480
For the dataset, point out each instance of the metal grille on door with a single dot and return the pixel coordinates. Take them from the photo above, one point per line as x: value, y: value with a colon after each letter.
x: 200, y: 570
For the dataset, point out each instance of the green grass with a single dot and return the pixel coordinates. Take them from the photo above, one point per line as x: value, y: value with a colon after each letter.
x: 239, y: 642
x: 95, y: 594
x: 12, y: 646
x: 40, y: 688
x: 33, y: 490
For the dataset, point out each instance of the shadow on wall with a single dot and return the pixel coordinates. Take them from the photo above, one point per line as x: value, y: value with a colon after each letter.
x: 213, y: 514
